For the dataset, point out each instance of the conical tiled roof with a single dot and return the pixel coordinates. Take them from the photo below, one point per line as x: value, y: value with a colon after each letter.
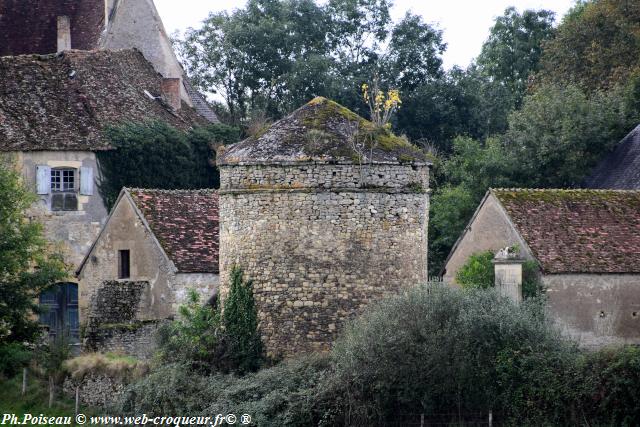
x: 322, y: 131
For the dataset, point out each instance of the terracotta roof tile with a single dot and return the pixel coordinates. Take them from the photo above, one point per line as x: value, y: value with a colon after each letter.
x: 186, y: 224
x: 578, y: 231
x: 65, y: 101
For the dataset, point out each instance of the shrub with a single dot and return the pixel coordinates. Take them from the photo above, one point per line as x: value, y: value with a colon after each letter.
x: 240, y: 323
x: 13, y: 357
x: 479, y: 273
x: 110, y: 364
x: 434, y: 350
x: 194, y: 339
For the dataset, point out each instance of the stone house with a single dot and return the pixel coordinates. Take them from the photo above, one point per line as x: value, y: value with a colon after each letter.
x: 620, y: 169
x: 325, y: 214
x: 53, y: 113
x: 156, y: 245
x: 50, y: 26
x: 586, y: 245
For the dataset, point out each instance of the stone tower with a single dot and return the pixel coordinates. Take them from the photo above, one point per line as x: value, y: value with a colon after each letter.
x: 325, y: 213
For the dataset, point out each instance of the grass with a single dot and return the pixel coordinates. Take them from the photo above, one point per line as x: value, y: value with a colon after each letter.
x: 36, y: 400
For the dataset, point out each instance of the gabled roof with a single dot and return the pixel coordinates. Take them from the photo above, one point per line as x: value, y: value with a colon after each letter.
x: 65, y: 101
x: 321, y: 131
x: 577, y: 231
x: 186, y: 224
x: 620, y: 169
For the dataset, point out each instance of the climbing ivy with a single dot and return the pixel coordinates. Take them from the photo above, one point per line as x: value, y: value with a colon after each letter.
x: 156, y: 155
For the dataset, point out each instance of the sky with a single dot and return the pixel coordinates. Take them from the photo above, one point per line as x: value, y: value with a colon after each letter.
x: 465, y: 23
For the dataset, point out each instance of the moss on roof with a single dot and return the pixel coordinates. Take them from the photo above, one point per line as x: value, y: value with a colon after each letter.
x: 322, y: 130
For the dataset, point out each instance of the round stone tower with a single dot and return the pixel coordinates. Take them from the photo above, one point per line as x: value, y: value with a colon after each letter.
x: 325, y: 213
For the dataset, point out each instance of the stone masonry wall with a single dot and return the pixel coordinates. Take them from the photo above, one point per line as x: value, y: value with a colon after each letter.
x: 318, y: 246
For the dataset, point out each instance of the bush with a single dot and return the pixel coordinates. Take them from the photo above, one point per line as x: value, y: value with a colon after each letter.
x: 110, y: 364
x: 435, y: 350
x: 240, y: 323
x: 479, y: 273
x: 283, y: 395
x: 13, y: 357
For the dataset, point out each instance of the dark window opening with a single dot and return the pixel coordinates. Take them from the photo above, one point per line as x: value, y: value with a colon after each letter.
x: 124, y: 265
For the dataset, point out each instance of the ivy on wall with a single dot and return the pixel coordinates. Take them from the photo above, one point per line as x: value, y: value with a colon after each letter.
x: 156, y: 155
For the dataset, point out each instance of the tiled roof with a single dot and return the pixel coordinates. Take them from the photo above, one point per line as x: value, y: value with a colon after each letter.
x: 620, y: 169
x: 30, y: 26
x: 578, y: 231
x: 322, y: 131
x: 185, y: 222
x: 199, y: 103
x: 65, y: 101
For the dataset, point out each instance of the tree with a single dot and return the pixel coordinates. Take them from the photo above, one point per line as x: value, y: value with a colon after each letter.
x: 512, y: 51
x: 27, y: 266
x: 596, y: 45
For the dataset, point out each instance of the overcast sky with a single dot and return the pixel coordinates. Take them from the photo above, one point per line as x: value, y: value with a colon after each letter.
x: 465, y: 23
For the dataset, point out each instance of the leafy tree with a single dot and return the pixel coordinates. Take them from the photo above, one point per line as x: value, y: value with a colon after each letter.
x: 596, y: 45
x: 156, y: 155
x: 478, y: 272
x: 240, y: 323
x: 561, y: 132
x: 512, y: 51
x: 27, y: 267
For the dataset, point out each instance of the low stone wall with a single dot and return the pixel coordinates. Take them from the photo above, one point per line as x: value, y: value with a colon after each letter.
x: 95, y: 390
x: 112, y: 325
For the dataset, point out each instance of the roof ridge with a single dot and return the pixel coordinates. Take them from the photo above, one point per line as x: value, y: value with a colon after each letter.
x: 177, y: 190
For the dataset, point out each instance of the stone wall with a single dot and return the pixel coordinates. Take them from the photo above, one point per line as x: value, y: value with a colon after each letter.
x: 96, y: 390
x: 319, y: 245
x: 113, y: 323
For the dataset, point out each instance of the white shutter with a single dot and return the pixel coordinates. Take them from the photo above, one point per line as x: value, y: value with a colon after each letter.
x: 43, y: 179
x: 86, y: 181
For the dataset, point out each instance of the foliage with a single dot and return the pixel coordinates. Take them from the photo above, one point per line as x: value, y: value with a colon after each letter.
x: 240, y: 323
x: 27, y: 266
x: 561, y: 132
x: 276, y: 55
x: 13, y: 357
x: 596, y: 45
x: 512, y: 52
x: 195, y: 338
x: 381, y: 107
x: 208, y: 339
x: 435, y: 350
x: 156, y: 155
x: 478, y: 272
x: 284, y: 395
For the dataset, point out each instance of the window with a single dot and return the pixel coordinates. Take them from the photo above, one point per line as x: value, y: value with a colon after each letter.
x: 63, y: 180
x: 63, y: 190
x: 124, y: 264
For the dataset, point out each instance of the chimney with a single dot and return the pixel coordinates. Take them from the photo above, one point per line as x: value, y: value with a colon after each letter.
x: 507, y: 265
x: 64, y: 33
x: 171, y: 92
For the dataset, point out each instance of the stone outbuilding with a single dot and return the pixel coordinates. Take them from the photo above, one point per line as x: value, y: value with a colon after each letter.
x: 586, y: 244
x: 155, y: 247
x: 326, y: 214
x: 166, y: 238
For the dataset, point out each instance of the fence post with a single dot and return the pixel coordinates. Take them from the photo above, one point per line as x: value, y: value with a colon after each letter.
x: 490, y: 418
x: 77, y: 399
x: 421, y: 420
x: 24, y: 381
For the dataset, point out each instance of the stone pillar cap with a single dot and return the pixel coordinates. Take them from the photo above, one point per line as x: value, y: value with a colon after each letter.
x: 508, y: 255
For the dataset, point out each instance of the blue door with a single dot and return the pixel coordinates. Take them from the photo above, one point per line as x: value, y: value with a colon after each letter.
x: 59, y: 306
